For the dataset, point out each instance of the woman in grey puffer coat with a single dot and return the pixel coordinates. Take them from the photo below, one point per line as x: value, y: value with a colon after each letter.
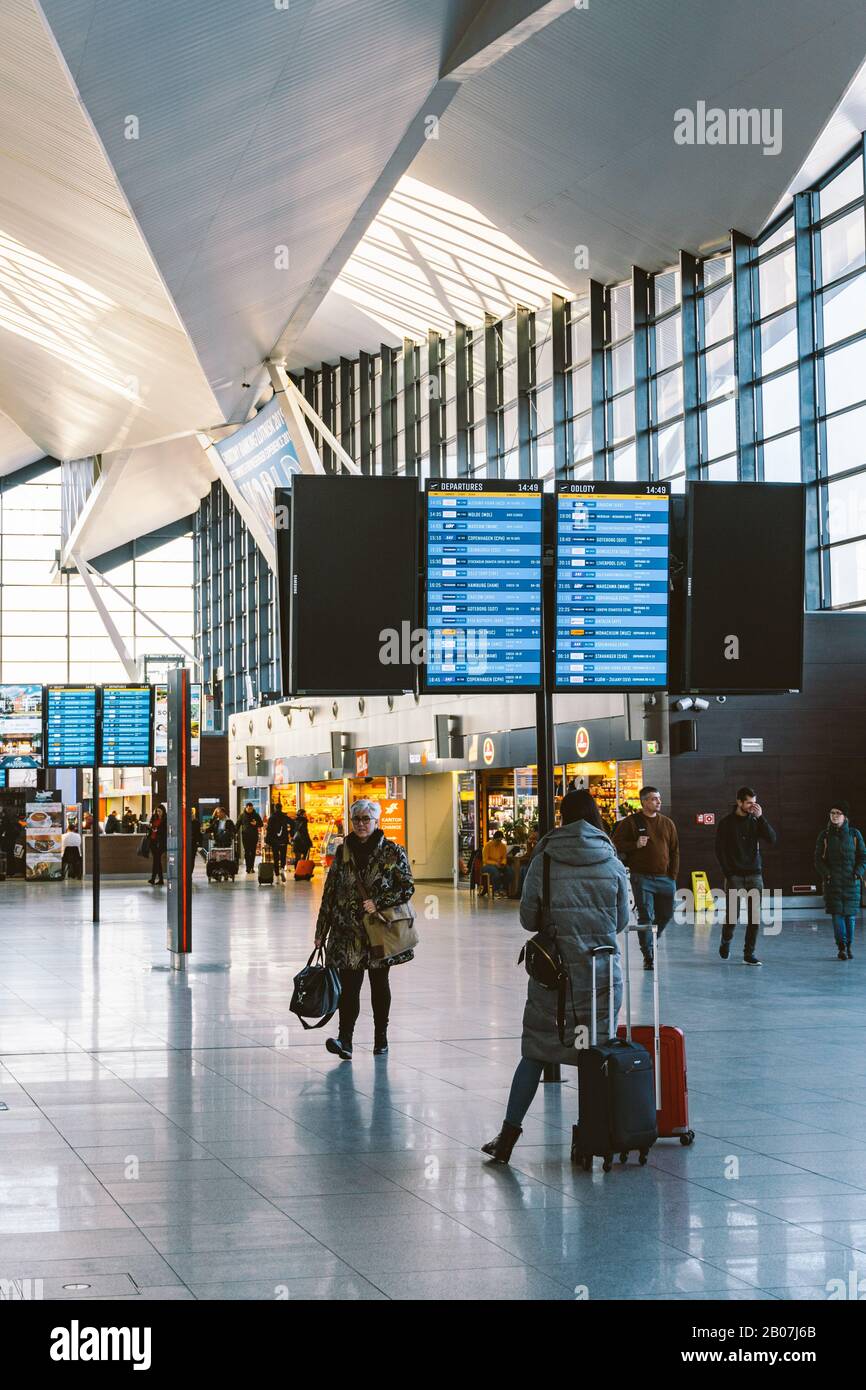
x: 589, y: 906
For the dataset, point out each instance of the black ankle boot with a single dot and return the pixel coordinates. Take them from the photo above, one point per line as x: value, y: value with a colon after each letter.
x: 380, y: 1043
x: 501, y: 1147
x: 340, y: 1048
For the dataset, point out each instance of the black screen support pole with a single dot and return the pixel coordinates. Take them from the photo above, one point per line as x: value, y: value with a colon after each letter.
x: 94, y: 806
x: 545, y: 734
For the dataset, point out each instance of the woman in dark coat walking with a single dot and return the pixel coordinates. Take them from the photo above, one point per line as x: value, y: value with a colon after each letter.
x: 840, y: 864
x: 250, y: 825
x: 277, y: 835
x: 301, y: 842
x: 589, y: 907
x: 157, y: 841
x: 373, y: 875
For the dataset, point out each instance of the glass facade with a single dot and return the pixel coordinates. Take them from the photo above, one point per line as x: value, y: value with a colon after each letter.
x: 49, y: 628
x: 747, y: 364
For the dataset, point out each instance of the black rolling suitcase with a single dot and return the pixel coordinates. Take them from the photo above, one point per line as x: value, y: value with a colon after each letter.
x: 616, y: 1091
x: 266, y: 873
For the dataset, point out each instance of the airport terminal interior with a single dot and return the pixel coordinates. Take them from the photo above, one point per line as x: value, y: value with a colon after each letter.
x: 432, y: 525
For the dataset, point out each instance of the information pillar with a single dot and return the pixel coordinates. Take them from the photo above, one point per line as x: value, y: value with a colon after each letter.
x: 179, y: 856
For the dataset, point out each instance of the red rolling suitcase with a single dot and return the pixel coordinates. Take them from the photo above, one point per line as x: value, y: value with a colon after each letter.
x: 666, y: 1046
x: 304, y: 869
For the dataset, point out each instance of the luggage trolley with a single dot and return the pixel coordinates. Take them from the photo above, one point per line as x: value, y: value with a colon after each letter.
x: 221, y: 864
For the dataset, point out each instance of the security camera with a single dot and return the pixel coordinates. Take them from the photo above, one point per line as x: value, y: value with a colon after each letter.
x: 684, y: 702
x: 702, y: 704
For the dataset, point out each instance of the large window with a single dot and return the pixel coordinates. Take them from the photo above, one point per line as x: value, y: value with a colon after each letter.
x: 49, y: 627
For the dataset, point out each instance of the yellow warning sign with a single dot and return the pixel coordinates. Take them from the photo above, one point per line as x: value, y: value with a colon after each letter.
x: 703, y: 898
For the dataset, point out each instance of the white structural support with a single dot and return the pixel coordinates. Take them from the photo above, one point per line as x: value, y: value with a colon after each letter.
x: 253, y: 522
x: 185, y: 651
x: 297, y: 405
x: 129, y: 664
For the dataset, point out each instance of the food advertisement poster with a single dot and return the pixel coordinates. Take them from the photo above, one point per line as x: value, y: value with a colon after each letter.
x: 44, y: 833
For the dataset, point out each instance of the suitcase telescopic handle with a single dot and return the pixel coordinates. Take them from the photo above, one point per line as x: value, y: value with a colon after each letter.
x: 657, y: 1050
x: 610, y: 952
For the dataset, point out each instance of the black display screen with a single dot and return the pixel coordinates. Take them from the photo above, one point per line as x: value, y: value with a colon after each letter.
x: 350, y: 605
x: 745, y: 587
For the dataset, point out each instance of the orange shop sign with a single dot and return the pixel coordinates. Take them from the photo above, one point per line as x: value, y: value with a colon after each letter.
x: 488, y: 751
x: 581, y: 742
x: 362, y: 762
x: 393, y: 820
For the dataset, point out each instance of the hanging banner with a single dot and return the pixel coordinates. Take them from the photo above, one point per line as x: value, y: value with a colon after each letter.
x: 259, y: 457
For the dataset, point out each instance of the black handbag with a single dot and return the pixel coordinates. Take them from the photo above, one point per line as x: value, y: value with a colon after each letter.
x: 317, y: 991
x: 541, y: 955
x: 144, y: 847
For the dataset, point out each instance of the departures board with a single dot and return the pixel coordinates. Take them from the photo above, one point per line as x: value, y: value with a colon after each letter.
x: 70, y: 725
x: 127, y: 734
x: 612, y: 563
x: 483, y: 542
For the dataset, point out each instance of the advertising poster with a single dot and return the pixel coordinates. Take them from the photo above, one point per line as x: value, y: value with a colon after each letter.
x: 160, y: 725
x: 393, y: 819
x: 44, y: 834
x: 20, y: 726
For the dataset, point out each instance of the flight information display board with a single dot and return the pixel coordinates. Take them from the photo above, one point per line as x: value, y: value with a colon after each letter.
x: 126, y: 726
x: 483, y: 576
x: 612, y: 549
x: 70, y: 725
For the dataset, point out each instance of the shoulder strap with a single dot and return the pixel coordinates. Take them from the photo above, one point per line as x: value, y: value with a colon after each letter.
x: 545, y: 882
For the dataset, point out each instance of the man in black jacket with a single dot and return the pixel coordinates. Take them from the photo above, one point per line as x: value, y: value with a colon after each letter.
x: 738, y: 850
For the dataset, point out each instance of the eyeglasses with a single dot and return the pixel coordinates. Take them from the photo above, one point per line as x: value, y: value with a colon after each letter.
x: 362, y: 820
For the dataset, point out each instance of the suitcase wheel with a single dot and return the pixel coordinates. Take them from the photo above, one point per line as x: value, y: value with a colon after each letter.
x: 608, y: 1163
x: 687, y: 1139
x: 642, y: 1157
x: 623, y: 1158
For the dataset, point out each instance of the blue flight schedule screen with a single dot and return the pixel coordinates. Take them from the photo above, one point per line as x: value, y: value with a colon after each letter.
x: 483, y: 611
x: 126, y: 726
x: 70, y: 724
x: 612, y: 548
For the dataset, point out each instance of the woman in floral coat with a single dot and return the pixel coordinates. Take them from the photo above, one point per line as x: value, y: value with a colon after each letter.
x: 385, y: 881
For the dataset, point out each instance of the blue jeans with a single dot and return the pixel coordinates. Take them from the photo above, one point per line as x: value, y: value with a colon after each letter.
x: 654, y: 900
x: 523, y: 1088
x: 843, y: 928
x: 498, y: 876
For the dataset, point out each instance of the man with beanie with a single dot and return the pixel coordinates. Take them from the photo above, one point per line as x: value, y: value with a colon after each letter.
x: 648, y: 845
x: 738, y: 850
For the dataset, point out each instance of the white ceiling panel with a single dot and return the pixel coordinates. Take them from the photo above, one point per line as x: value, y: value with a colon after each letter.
x: 581, y: 118
x: 16, y: 450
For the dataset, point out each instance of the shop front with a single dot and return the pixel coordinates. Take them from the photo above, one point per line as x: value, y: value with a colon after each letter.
x: 325, y: 805
x: 595, y: 755
x: 390, y: 793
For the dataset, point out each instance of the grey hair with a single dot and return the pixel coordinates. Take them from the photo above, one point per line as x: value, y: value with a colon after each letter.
x: 372, y: 808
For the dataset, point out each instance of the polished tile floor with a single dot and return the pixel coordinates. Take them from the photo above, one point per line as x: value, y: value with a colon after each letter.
x: 179, y: 1136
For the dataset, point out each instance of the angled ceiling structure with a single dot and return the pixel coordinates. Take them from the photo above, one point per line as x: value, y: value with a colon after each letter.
x: 189, y: 189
